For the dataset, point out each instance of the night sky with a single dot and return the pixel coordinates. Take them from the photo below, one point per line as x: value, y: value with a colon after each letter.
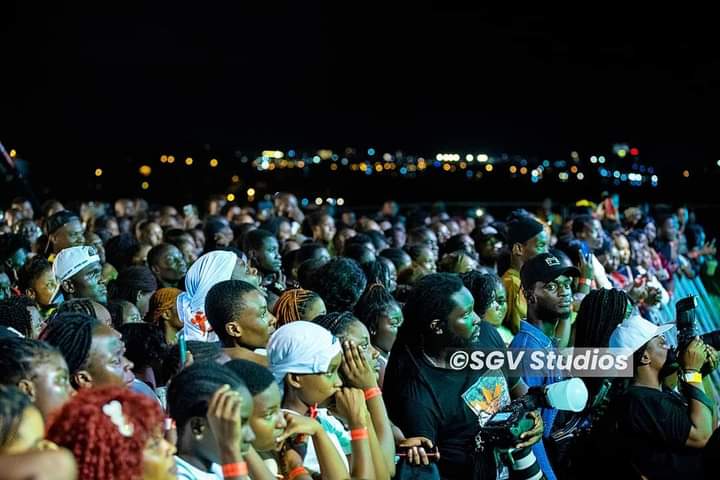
x: 86, y: 87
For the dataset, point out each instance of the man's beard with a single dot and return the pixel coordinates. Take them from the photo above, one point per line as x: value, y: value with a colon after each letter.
x: 450, y: 340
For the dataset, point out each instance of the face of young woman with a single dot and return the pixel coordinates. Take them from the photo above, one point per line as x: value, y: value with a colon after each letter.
x: 158, y: 459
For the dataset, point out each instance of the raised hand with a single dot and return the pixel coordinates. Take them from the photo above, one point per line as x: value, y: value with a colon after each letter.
x: 355, y: 367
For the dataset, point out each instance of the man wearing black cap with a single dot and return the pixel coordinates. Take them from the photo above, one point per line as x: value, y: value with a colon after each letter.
x: 526, y: 238
x: 64, y: 230
x: 546, y: 283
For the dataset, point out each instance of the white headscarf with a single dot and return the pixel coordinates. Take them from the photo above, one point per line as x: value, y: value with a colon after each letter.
x: 209, y: 270
x: 301, y: 347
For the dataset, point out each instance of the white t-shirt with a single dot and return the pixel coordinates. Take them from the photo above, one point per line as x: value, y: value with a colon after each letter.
x: 338, y: 436
x: 185, y: 471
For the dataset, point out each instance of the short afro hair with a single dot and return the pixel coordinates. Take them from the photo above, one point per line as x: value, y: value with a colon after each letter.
x: 256, y: 377
x: 340, y: 283
x: 223, y: 303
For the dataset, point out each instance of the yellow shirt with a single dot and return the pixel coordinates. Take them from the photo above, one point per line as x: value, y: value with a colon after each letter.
x: 517, y: 305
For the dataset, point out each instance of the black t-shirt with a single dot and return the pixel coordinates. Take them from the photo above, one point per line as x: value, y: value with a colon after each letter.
x: 653, y: 427
x: 448, y: 406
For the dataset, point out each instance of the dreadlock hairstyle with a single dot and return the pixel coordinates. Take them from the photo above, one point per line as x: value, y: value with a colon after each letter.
x: 190, y: 391
x: 292, y: 305
x: 71, y: 333
x: 256, y: 377
x: 12, y: 405
x: 145, y: 345
x: 102, y: 452
x: 375, y: 303
x: 600, y: 312
x: 130, y: 282
x: 427, y: 301
x: 14, y: 314
x: 430, y: 299
x: 20, y: 356
x: 482, y: 287
x: 336, y: 322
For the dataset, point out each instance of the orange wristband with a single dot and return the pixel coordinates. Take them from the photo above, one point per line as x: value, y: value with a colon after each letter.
x: 296, y: 472
x: 234, y: 469
x: 359, y: 434
x: 372, y: 393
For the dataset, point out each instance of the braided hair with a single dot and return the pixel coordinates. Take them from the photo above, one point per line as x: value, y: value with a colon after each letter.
x: 77, y: 305
x: 20, y: 356
x: 378, y: 272
x: 600, y: 312
x: 71, y: 333
x: 374, y: 304
x: 161, y: 301
x: 102, y: 452
x: 12, y: 405
x: 336, y: 322
x: 14, y: 314
x: 190, y: 391
x: 292, y: 305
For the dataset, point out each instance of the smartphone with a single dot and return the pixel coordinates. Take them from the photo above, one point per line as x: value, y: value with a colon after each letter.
x: 183, y: 348
x: 434, y: 454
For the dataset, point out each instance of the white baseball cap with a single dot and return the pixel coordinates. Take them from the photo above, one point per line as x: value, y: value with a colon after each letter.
x: 635, y: 332
x: 71, y: 260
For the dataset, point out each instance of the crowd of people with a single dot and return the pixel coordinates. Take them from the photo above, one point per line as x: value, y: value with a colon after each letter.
x: 144, y: 342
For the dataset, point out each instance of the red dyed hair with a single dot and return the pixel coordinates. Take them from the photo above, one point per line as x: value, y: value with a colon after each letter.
x: 101, y: 452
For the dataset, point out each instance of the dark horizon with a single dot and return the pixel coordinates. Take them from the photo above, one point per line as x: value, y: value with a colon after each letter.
x: 117, y: 88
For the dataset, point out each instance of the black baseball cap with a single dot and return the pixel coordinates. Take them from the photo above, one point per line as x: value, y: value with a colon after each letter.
x: 544, y: 268
x: 523, y: 229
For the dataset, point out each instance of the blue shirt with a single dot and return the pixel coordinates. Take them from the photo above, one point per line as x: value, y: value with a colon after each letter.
x: 531, y: 337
